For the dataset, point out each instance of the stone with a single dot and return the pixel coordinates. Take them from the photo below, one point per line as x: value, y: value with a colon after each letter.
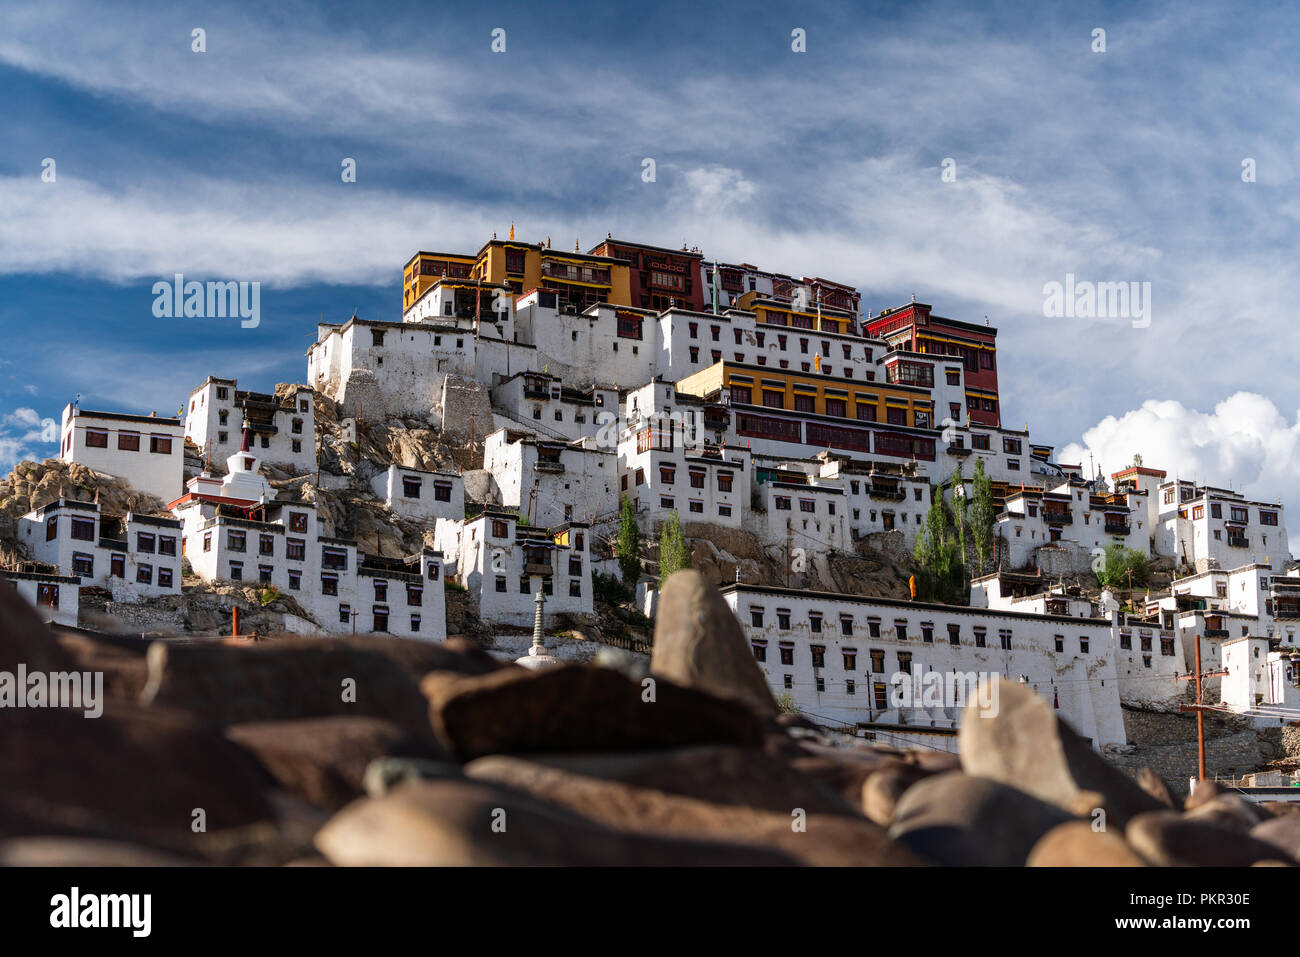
x: 1282, y: 832
x: 133, y: 773
x: 86, y: 852
x: 1076, y: 844
x: 578, y: 708
x: 813, y: 838
x: 1230, y: 810
x: 719, y: 775
x: 450, y: 823
x: 1151, y: 782
x: 845, y: 770
x: 1170, y: 839
x: 1203, y: 793
x: 882, y: 790
x: 699, y: 644
x: 282, y: 681
x: 324, y: 760
x: 1027, y: 747
x: 960, y: 819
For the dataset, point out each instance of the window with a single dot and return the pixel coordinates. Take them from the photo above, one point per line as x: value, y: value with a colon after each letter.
x: 782, y: 503
x: 333, y: 558
x: 980, y: 636
x: 954, y: 634
x: 207, y: 542
x: 837, y: 407
x: 760, y: 649
x: 47, y: 595
x: 724, y: 481
x: 805, y: 403
x: 117, y: 566
x: 927, y: 632
x: 83, y: 529
x: 237, y: 541
x: 1004, y: 636
x: 145, y: 542
x: 756, y: 617
x: 376, y: 337
x: 850, y: 658
x: 83, y: 564
x: 905, y: 662
x: 381, y: 590
x: 295, y: 579
x: 787, y: 652
x: 575, y: 588
x: 815, y: 622
x: 697, y: 478
x: 696, y: 505
x: 783, y: 619
x: 900, y: 630
x: 500, y: 528
x: 345, y: 611
x: 297, y: 521
x: 1060, y: 643
x: 501, y: 585
x: 877, y: 661
x: 1267, y: 518
x: 820, y: 683
x: 295, y: 550
x: 1083, y: 644
x: 162, y: 444
x: 166, y: 545
x: 410, y: 486
x: 381, y: 618
x: 264, y: 574
x: 128, y: 441
x: 266, y: 544
x: 442, y: 491
x: 52, y: 528
x: 96, y: 438
x: 236, y: 572
x: 789, y: 681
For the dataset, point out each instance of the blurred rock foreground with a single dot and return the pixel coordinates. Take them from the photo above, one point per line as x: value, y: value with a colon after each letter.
x: 380, y: 751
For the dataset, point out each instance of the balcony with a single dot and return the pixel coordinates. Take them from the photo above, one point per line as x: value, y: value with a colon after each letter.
x: 887, y: 491
x: 549, y: 468
x: 537, y: 568
x: 1238, y: 541
x: 1058, y: 518
x: 542, y: 394
x: 958, y: 450
x: 1118, y: 528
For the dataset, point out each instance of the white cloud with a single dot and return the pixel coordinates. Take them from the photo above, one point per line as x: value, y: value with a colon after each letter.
x: 22, y: 432
x: 1245, y: 443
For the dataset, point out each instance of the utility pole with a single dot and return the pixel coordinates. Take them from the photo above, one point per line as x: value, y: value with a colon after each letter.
x: 1200, y: 709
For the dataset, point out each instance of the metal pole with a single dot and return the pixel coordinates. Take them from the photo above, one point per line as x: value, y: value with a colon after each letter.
x: 1200, y: 716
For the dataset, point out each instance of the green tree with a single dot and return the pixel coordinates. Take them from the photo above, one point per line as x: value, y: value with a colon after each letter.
x: 1113, y: 572
x: 674, y: 553
x: 982, y: 517
x: 939, y: 569
x: 958, y: 505
x: 628, y: 551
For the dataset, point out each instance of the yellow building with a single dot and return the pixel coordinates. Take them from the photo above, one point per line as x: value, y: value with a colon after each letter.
x: 849, y: 399
x: 424, y: 269
x: 580, y: 279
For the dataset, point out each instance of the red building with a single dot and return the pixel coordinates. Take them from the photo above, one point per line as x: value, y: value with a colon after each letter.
x: 912, y: 328
x: 658, y: 277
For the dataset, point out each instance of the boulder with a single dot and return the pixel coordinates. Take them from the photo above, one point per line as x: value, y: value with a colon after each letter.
x: 450, y: 823
x: 1170, y: 839
x: 959, y: 819
x: 883, y: 789
x: 578, y: 708
x: 324, y: 760
x: 1026, y: 746
x: 1282, y: 832
x: 699, y: 644
x: 1077, y: 844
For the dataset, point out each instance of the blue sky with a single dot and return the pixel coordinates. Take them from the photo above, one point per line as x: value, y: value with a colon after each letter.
x: 1116, y: 166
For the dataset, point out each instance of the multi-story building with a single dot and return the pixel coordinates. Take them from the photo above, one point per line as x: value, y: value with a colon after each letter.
x: 542, y: 402
x: 1204, y: 527
x: 659, y: 278
x: 846, y: 660
x: 420, y: 495
x: 579, y: 280
x: 146, y: 451
x: 551, y: 482
x: 913, y: 328
x: 283, y: 428
x: 133, y: 556
x: 879, y: 496
x: 424, y: 269
x: 502, y: 561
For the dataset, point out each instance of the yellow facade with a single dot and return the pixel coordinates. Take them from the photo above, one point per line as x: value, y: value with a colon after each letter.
x: 425, y: 269
x: 880, y: 397
x: 525, y: 266
x: 779, y: 314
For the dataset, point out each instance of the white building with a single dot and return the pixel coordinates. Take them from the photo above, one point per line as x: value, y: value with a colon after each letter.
x: 542, y: 403
x: 1204, y: 527
x: 879, y: 496
x: 134, y: 557
x: 838, y: 655
x: 284, y: 429
x: 146, y: 451
x: 500, y: 562
x: 419, y: 495
x: 1262, y: 684
x: 55, y: 597
x: 551, y: 482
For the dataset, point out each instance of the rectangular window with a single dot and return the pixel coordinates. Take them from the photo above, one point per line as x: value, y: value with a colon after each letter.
x: 381, y: 619
x: 410, y: 487
x: 760, y: 649
x: 266, y: 544
x: 144, y: 542
x: 335, y: 558
x: 442, y: 491
x: 117, y: 566
x: 144, y: 574
x: 128, y: 441
x: 96, y: 438
x: 161, y: 444
x: 83, y: 529
x: 295, y: 579
x: 166, y: 545
x: 345, y: 611
x: 756, y: 617
x: 236, y: 571
x: 52, y: 529
x: 298, y: 521
x: 83, y: 564
x: 236, y: 541
x: 954, y: 634
x: 329, y: 583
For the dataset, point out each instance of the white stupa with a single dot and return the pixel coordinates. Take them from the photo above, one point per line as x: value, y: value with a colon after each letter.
x: 243, y: 480
x: 537, y: 659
